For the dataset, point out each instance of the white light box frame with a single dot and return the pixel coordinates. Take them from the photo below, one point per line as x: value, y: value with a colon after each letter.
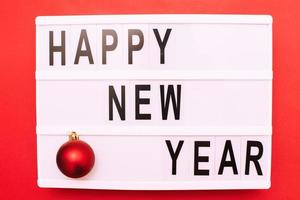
x: 216, y: 69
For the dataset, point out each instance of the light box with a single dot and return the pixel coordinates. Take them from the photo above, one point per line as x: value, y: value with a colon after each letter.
x: 166, y: 102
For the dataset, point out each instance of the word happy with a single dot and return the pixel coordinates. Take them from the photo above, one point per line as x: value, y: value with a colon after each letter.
x: 83, y: 49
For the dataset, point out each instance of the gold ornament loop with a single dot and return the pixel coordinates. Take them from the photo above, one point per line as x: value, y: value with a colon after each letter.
x: 73, y: 136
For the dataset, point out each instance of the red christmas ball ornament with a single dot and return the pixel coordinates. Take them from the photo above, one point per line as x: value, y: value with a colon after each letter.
x: 75, y: 158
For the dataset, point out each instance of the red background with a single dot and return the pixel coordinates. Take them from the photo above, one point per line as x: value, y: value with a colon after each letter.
x: 18, y: 170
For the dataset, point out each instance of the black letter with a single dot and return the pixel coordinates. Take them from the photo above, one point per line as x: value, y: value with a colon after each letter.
x: 165, y: 106
x: 136, y: 47
x: 174, y: 156
x: 61, y: 48
x: 253, y: 158
x: 231, y: 163
x: 162, y: 44
x: 139, y: 101
x: 106, y: 47
x: 197, y: 158
x: 87, y: 52
x: 113, y: 97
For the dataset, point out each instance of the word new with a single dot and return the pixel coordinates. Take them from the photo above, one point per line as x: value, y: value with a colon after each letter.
x: 83, y: 41
x: 165, y: 101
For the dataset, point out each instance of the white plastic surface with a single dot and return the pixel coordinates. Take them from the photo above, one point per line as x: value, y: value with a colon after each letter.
x: 224, y: 66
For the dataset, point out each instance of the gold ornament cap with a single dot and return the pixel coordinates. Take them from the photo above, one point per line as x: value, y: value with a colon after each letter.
x: 73, y: 136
